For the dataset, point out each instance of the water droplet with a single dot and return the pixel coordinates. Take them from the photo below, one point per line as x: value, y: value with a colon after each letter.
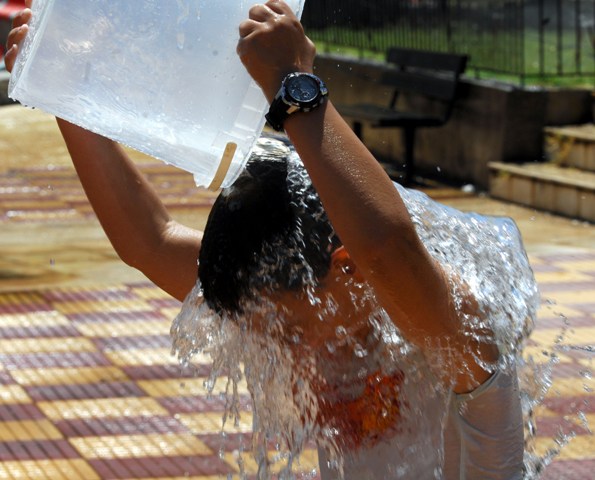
x: 340, y: 331
x: 359, y: 351
x: 584, y: 421
x: 181, y: 40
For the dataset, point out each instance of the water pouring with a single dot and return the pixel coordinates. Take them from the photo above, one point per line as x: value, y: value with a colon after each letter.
x: 369, y: 319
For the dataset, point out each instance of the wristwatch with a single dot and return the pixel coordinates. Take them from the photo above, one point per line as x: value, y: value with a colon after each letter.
x: 299, y: 92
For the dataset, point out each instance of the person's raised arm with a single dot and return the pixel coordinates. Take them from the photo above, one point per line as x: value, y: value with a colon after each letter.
x: 133, y: 217
x: 361, y: 201
x: 131, y: 214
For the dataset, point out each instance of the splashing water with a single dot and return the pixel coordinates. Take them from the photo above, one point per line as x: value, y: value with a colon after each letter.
x: 342, y: 395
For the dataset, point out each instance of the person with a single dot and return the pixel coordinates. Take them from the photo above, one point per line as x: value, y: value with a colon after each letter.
x: 249, y: 254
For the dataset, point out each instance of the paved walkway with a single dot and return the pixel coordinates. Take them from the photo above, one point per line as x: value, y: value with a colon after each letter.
x: 88, y: 389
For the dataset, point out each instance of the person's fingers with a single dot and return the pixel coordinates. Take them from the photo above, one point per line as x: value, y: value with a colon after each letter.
x: 261, y: 13
x: 279, y: 7
x: 16, y: 36
x: 10, y: 57
x: 28, y: 3
x: 247, y: 27
x: 21, y: 18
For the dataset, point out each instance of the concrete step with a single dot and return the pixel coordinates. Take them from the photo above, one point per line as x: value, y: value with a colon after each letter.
x: 545, y: 186
x: 571, y: 146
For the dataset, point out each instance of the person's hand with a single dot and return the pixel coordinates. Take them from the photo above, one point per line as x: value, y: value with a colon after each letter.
x: 273, y: 44
x: 17, y: 35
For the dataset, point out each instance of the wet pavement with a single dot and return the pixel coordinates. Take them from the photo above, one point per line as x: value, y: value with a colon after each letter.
x: 88, y: 388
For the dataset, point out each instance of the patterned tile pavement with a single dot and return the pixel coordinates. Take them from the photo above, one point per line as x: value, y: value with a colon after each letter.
x: 54, y: 194
x: 89, y: 390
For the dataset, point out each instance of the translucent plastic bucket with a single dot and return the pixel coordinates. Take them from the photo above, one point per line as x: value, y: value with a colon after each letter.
x: 161, y: 76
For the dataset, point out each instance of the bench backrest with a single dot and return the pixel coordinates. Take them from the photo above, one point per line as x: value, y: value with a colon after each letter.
x: 432, y: 74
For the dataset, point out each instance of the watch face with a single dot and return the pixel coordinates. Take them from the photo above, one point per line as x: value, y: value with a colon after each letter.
x: 302, y: 89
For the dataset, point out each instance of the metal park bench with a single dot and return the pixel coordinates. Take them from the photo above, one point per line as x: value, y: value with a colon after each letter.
x: 429, y: 74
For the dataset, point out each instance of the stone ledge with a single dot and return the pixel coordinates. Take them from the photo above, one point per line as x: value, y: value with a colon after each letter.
x: 571, y: 146
x: 564, y: 191
x: 581, y: 132
x: 548, y: 172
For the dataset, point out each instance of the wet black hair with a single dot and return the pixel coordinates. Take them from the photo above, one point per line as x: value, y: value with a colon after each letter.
x: 267, y: 232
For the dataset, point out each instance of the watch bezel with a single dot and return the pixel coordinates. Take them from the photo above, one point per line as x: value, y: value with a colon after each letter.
x: 283, y: 105
x: 302, y: 105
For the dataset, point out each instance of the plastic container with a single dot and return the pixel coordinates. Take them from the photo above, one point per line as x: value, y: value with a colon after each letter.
x: 162, y: 77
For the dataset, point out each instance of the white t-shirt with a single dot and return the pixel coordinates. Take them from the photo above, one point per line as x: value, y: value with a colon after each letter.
x: 482, y: 439
x: 478, y: 435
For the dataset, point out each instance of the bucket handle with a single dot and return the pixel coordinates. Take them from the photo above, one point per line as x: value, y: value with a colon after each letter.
x: 224, y: 164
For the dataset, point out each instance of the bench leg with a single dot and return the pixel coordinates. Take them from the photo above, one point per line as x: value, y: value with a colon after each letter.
x: 357, y: 129
x: 409, y: 141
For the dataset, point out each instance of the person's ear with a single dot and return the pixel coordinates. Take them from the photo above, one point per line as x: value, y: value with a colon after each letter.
x: 340, y: 260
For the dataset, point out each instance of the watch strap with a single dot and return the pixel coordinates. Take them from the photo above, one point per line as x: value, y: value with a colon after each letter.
x: 277, y: 114
x: 281, y: 108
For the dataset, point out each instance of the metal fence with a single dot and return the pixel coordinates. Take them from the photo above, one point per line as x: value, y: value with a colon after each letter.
x: 520, y: 38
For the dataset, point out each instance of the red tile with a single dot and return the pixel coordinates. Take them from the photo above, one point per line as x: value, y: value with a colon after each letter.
x: 115, y: 469
x: 585, y: 307
x: 566, y: 286
x: 54, y: 360
x: 6, y: 378
x: 545, y: 268
x: 567, y: 257
x: 227, y: 443
x: 111, y: 470
x: 24, y: 307
x: 119, y: 426
x: 568, y: 370
x: 570, y: 405
x: 160, y: 372
x: 164, y: 303
x: 571, y: 322
x: 88, y: 295
x: 120, y: 316
x: 200, y: 404
x: 39, y: 331
x: 143, y: 285
x: 579, y: 351
x: 20, y: 411
x: 85, y: 391
x: 161, y: 467
x: 37, y: 450
x: 569, y: 470
x: 133, y: 342
x: 552, y: 426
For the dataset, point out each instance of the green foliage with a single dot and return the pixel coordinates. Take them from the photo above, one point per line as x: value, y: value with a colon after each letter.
x: 546, y: 59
